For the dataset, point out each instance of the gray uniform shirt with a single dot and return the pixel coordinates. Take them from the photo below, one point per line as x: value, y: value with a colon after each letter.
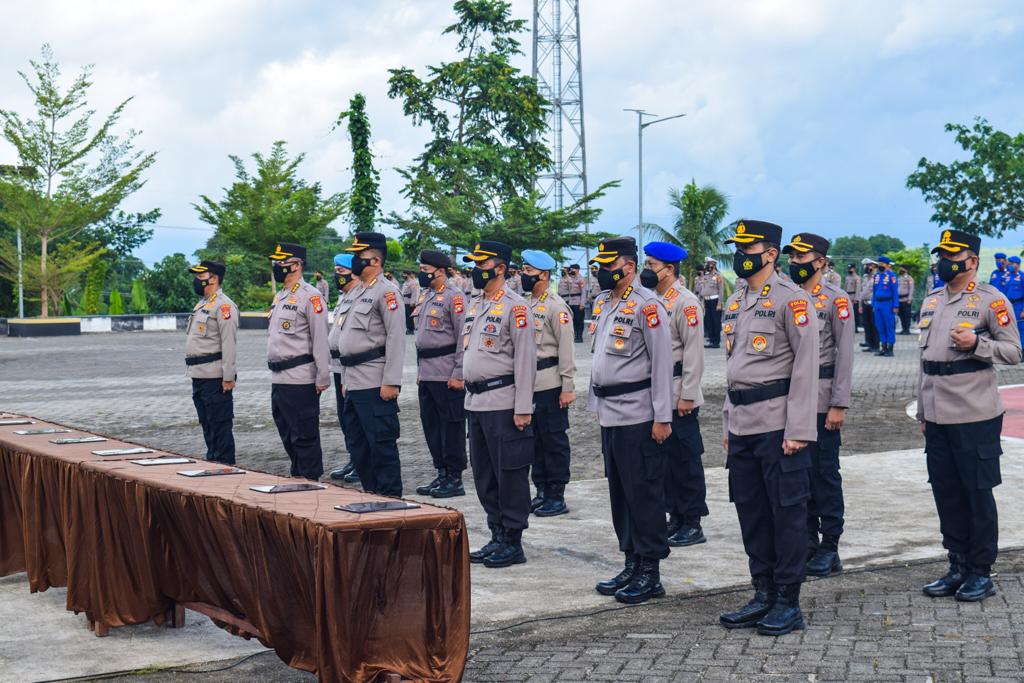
x: 410, y: 292
x: 772, y: 334
x: 866, y: 290
x: 553, y: 334
x: 631, y: 343
x: 324, y: 288
x: 686, y: 323
x: 835, y: 345
x: 852, y: 286
x: 298, y: 325
x: 372, y: 316
x: 711, y: 286
x: 905, y: 286
x: 213, y: 328
x: 497, y: 337
x: 969, y: 396
x: 438, y: 316
x: 574, y: 287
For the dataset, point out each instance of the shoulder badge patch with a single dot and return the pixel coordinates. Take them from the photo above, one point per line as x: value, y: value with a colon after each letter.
x: 799, y: 308
x: 519, y: 315
x: 650, y: 312
x: 391, y: 300
x: 459, y: 304
x: 843, y: 307
x: 691, y: 315
x: 318, y: 304
x: 563, y: 317
x: 225, y: 311
x: 1002, y: 315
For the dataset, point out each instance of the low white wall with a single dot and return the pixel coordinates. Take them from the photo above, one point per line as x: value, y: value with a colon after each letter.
x: 97, y: 323
x: 159, y: 323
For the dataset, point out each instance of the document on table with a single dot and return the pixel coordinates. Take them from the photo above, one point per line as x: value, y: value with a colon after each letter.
x: 286, y: 488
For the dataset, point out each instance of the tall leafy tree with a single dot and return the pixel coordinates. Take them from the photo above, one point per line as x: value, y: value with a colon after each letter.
x: 76, y: 173
x: 983, y: 194
x: 477, y: 173
x: 364, y: 197
x: 170, y: 285
x: 699, y: 225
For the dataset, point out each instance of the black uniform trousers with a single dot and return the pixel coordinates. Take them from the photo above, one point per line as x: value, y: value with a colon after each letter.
x: 551, y: 439
x: 770, y: 491
x: 635, y: 466
x: 443, y: 415
x: 372, y: 429
x: 904, y: 313
x: 963, y: 468
x: 339, y: 399
x: 825, y: 509
x: 577, y: 321
x: 870, y: 330
x: 857, y: 317
x: 296, y: 411
x: 685, y: 488
x: 216, y: 410
x: 410, y: 327
x: 713, y: 321
x: 501, y: 457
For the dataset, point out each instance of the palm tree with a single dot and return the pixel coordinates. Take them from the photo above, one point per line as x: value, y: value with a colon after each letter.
x: 700, y: 225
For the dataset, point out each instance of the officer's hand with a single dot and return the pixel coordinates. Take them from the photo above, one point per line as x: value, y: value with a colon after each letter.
x: 456, y: 384
x: 566, y: 398
x: 922, y: 426
x: 389, y: 393
x: 321, y: 388
x: 344, y: 392
x: 718, y: 307
x: 834, y: 418
x: 522, y: 421
x: 963, y: 338
x: 725, y: 444
x: 789, y: 447
x: 661, y: 431
x: 227, y: 386
x: 896, y: 309
x: 684, y: 407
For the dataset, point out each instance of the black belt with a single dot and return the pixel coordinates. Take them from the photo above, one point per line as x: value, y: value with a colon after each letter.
x: 435, y: 352
x: 364, y: 357
x: 953, y: 367
x: 545, y: 363
x: 889, y: 298
x: 1016, y: 301
x: 826, y: 371
x: 282, y: 365
x: 620, y: 389
x: 335, y: 353
x: 677, y: 370
x: 200, y: 360
x: 490, y: 384
x: 743, y: 397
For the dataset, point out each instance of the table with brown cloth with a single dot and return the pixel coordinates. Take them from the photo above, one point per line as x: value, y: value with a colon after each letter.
x: 349, y: 597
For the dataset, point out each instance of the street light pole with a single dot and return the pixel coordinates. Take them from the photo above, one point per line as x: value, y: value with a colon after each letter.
x: 640, y: 125
x: 21, y: 288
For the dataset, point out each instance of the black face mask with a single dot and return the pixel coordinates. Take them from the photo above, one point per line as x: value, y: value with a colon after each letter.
x: 281, y: 271
x: 949, y: 269
x: 801, y: 272
x: 648, y: 278
x: 425, y: 279
x: 342, y: 280
x: 745, y: 265
x: 528, y: 281
x: 359, y: 264
x: 482, y: 276
x: 199, y: 286
x: 607, y: 279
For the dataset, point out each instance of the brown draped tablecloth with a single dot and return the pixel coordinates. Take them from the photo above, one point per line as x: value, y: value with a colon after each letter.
x: 349, y: 597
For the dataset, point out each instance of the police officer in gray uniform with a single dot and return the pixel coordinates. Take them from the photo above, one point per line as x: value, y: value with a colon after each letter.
x: 499, y: 367
x: 345, y: 281
x: 299, y: 361
x: 836, y: 332
x: 631, y: 392
x: 371, y: 346
x: 555, y: 387
x: 210, y: 342
x: 438, y: 316
x: 771, y: 371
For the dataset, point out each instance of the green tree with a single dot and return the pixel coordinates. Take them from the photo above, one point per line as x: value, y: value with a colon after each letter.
x: 477, y: 173
x: 882, y: 244
x: 116, y: 303
x: 364, y: 197
x: 852, y: 248
x: 139, y: 302
x: 92, y: 298
x: 983, y: 194
x: 170, y: 285
x: 76, y: 175
x: 699, y: 225
x: 269, y: 206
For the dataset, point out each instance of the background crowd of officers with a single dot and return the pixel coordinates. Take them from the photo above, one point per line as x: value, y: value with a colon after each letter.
x: 495, y: 362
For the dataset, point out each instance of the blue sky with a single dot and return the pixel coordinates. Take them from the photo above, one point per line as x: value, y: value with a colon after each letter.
x: 810, y: 113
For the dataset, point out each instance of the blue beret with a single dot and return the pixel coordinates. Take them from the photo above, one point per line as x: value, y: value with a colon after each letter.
x: 538, y: 259
x: 999, y: 254
x: 343, y: 260
x: 884, y: 259
x: 1014, y: 259
x: 665, y: 251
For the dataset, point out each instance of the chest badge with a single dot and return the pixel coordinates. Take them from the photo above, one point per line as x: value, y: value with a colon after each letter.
x: 759, y: 343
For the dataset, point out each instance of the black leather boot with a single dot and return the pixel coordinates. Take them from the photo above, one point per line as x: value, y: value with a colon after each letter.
x: 826, y: 558
x: 646, y: 584
x: 427, y: 488
x: 620, y: 580
x: 554, y: 501
x: 889, y: 350
x: 976, y: 586
x: 341, y: 473
x: 497, y: 537
x: 537, y: 500
x: 751, y: 613
x: 785, y: 614
x: 509, y: 553
x: 881, y: 351
x: 687, y: 535
x: 674, y: 522
x: 950, y: 583
x: 449, y: 488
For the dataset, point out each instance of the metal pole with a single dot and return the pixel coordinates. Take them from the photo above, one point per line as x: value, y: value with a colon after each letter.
x: 21, y: 288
